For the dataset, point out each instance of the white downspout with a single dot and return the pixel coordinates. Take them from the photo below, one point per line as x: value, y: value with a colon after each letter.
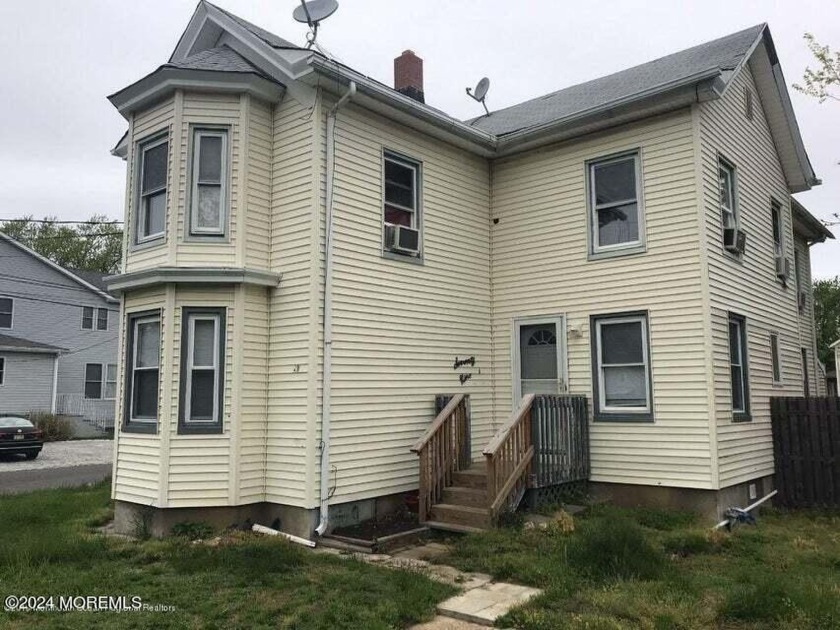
x: 54, y: 385
x: 326, y: 377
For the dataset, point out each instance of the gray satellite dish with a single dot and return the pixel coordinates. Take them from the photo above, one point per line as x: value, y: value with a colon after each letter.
x: 312, y: 12
x: 480, y: 92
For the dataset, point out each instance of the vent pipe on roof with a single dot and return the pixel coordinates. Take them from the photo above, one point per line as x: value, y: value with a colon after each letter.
x: 408, y: 75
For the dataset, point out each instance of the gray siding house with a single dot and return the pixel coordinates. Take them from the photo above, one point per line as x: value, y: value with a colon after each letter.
x: 58, y: 338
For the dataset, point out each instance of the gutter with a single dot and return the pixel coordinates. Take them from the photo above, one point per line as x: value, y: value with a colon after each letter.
x: 326, y: 375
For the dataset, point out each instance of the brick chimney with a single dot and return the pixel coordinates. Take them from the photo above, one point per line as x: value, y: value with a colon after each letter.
x: 408, y: 75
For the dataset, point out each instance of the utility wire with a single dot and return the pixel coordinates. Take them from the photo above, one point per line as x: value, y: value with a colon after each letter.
x: 20, y: 220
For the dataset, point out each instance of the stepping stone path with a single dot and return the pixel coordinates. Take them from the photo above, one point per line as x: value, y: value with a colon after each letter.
x: 481, y: 602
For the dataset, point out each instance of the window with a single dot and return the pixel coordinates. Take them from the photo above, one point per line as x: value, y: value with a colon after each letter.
x: 614, y: 203
x: 778, y: 234
x: 102, y: 319
x: 151, y: 215
x: 621, y: 367
x: 208, y: 193
x: 202, y: 369
x: 2, y: 371
x: 738, y: 368
x: 401, y: 182
x: 87, y: 318
x: 728, y: 208
x: 775, y: 358
x: 143, y: 366
x: 7, y: 307
x: 93, y: 380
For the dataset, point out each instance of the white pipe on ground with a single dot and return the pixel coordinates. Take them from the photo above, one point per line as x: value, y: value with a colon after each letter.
x: 262, y: 529
x: 749, y: 508
x: 326, y: 377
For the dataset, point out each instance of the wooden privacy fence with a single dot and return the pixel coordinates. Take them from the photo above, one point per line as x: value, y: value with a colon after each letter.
x: 806, y: 446
x: 560, y: 433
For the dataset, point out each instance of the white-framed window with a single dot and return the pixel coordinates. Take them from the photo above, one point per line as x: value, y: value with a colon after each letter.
x: 143, y: 371
x: 151, y: 211
x: 7, y: 309
x: 775, y: 358
x: 615, y: 203
x: 2, y: 371
x: 621, y: 367
x: 738, y: 367
x: 202, y: 367
x: 87, y: 317
x: 728, y: 201
x: 402, y: 178
x: 208, y: 191
x: 102, y: 319
x: 101, y: 381
x: 778, y: 228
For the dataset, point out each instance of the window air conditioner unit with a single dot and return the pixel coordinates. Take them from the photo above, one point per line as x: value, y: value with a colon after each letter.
x: 803, y: 297
x: 782, y: 267
x: 404, y: 240
x: 735, y: 240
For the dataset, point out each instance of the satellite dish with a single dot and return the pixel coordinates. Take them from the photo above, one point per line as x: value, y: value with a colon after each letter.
x: 312, y: 12
x: 480, y: 92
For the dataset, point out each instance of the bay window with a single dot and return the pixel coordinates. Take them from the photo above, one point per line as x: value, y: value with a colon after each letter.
x: 151, y: 211
x: 208, y: 190
x: 142, y: 372
x: 202, y: 370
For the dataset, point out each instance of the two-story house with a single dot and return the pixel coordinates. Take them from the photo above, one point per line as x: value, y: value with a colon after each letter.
x: 309, y: 252
x: 58, y: 338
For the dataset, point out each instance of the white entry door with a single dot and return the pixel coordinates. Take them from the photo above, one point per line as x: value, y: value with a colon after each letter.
x: 539, y: 356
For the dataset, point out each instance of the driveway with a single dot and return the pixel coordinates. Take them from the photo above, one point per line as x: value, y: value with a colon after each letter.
x: 60, y: 464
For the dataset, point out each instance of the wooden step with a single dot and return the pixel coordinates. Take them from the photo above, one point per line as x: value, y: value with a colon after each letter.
x: 464, y: 495
x: 475, y: 477
x: 452, y: 527
x: 461, y: 515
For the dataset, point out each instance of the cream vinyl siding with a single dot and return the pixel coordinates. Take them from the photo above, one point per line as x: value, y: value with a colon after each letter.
x: 258, y: 170
x: 292, y: 369
x: 540, y: 268
x: 138, y: 456
x: 748, y: 286
x: 156, y: 120
x: 398, y: 326
x: 200, y: 466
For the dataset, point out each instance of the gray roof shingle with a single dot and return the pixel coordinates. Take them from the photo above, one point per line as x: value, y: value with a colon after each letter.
x: 94, y: 278
x: 724, y: 54
x: 10, y: 343
x: 221, y: 59
x: 269, y: 38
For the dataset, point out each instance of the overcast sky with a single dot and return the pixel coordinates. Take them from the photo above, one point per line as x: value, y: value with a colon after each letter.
x: 63, y: 58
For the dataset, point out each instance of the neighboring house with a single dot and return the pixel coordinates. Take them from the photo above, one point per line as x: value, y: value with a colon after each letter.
x: 308, y: 252
x: 58, y: 338
x: 836, y: 348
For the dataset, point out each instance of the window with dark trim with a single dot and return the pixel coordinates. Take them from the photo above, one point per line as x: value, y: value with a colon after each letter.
x: 2, y: 371
x: 775, y: 358
x: 778, y: 233
x: 7, y: 307
x: 202, y: 370
x: 142, y: 373
x: 621, y: 370
x: 209, y: 182
x: 102, y: 319
x: 87, y: 318
x: 739, y: 367
x: 152, y: 176
x: 615, y: 203
x: 806, y: 383
x: 93, y: 380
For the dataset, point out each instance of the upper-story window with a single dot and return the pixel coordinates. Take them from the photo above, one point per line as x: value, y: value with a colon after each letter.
x: 7, y: 307
x: 208, y: 190
x: 778, y: 234
x: 151, y: 212
x: 728, y: 208
x: 615, y: 203
x: 401, y: 207
x: 94, y: 316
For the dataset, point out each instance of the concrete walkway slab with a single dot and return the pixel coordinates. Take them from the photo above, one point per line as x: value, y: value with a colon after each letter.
x: 485, y: 604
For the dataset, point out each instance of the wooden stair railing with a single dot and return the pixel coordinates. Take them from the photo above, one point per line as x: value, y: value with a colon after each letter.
x: 443, y: 450
x: 508, y: 456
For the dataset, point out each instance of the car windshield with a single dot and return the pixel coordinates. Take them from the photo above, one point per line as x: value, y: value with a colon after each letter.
x: 16, y: 423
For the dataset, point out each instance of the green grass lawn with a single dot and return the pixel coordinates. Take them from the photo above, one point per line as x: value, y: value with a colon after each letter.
x: 656, y: 569
x: 48, y: 548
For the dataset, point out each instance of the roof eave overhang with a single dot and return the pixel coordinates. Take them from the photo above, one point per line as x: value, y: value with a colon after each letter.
x: 26, y: 350
x: 807, y: 225
x: 166, y: 79
x: 191, y: 275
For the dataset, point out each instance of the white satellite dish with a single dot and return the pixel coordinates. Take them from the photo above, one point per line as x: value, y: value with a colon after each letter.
x: 480, y: 92
x: 312, y: 12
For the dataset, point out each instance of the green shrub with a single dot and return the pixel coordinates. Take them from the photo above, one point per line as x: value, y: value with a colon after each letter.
x: 54, y: 428
x: 607, y: 549
x: 192, y: 531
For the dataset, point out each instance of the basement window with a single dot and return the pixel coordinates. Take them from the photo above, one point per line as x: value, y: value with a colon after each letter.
x: 615, y: 204
x: 202, y: 369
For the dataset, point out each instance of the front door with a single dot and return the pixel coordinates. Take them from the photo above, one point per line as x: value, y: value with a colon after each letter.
x: 539, y: 356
